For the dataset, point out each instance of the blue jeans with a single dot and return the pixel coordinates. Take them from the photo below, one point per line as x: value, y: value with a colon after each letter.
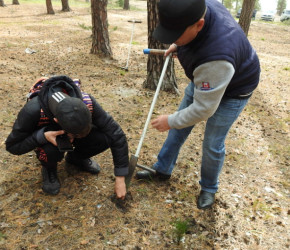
x: 217, y: 128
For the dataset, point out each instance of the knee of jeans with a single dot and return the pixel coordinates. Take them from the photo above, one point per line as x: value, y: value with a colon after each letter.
x: 214, y: 146
x: 178, y: 135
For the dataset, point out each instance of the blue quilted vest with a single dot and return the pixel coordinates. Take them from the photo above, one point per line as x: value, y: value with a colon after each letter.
x: 223, y: 39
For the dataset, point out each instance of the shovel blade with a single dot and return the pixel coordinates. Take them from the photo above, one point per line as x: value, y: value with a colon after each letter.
x: 132, y: 167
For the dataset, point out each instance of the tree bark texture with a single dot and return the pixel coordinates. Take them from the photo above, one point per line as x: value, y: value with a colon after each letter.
x: 15, y: 2
x: 246, y: 15
x: 281, y: 5
x: 100, y: 36
x: 2, y: 3
x: 126, y: 5
x: 65, y: 6
x: 155, y: 63
x: 49, y: 7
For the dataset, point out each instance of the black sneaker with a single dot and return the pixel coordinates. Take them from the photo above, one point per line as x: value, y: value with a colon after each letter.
x: 87, y: 165
x: 51, y: 184
x: 147, y: 175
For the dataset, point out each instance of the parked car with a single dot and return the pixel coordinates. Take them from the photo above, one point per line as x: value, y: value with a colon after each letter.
x: 240, y: 10
x: 268, y: 15
x: 285, y: 15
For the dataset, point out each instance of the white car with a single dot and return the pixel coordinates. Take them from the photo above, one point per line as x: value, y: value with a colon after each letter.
x: 268, y: 15
x: 285, y: 15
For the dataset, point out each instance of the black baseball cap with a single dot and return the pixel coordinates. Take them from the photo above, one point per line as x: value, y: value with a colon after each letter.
x: 72, y: 114
x: 175, y: 16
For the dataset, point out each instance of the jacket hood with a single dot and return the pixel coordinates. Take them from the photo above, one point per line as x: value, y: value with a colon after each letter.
x: 55, y: 84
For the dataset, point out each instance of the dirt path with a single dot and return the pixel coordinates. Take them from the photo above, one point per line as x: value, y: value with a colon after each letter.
x: 252, y: 208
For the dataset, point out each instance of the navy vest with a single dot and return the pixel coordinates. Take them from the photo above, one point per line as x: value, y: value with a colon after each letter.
x: 222, y: 39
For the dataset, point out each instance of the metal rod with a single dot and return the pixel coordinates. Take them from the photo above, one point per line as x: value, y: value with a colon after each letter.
x: 152, y: 105
x: 159, y: 52
x: 134, y: 21
x: 147, y: 168
x: 154, y: 51
x: 130, y: 45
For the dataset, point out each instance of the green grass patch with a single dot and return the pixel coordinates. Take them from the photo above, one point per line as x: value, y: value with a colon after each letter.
x: 2, y: 236
x: 51, y: 22
x: 10, y: 45
x: 287, y: 22
x: 85, y: 27
x: 180, y: 227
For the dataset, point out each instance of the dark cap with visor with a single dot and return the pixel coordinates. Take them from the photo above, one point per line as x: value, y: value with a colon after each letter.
x: 175, y: 16
x: 72, y: 114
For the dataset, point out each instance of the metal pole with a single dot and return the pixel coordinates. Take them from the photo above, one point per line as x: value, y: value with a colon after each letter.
x: 152, y: 105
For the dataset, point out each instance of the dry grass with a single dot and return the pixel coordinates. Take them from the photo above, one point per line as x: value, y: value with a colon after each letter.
x: 252, y: 207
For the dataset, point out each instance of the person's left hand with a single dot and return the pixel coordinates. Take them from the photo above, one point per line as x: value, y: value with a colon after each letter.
x: 51, y: 136
x: 161, y: 123
x: 120, y: 187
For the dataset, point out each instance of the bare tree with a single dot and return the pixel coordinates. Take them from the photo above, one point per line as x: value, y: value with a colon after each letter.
x: 228, y: 4
x: 64, y: 3
x: 246, y: 15
x: 155, y: 63
x: 65, y: 6
x: 126, y: 5
x: 49, y: 7
x: 281, y: 5
x: 100, y: 36
x: 14, y: 2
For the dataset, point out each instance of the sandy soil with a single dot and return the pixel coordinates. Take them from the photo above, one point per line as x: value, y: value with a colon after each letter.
x: 252, y: 207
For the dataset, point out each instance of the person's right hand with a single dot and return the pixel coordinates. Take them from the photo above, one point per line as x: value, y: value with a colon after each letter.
x: 172, y: 48
x: 51, y: 136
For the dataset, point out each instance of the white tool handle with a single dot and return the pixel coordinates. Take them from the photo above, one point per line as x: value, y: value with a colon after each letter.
x: 130, y: 46
x: 152, y: 105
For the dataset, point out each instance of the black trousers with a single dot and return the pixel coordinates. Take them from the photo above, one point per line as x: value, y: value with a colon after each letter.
x: 94, y: 143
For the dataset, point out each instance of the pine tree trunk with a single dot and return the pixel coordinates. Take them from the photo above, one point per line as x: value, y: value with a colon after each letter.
x: 246, y: 15
x: 15, y: 2
x: 2, y: 3
x: 155, y: 63
x: 65, y: 6
x: 101, y: 41
x: 49, y: 7
x: 126, y: 5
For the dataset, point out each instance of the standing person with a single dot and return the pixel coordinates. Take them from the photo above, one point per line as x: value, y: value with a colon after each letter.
x: 61, y: 108
x: 223, y: 69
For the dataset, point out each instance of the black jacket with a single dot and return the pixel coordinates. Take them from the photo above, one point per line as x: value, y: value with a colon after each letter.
x: 27, y: 134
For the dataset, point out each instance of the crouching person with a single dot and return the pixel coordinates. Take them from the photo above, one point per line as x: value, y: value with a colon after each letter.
x: 59, y: 109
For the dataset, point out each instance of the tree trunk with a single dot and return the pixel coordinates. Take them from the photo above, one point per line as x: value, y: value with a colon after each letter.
x: 246, y: 15
x: 49, y: 7
x: 126, y: 5
x: 101, y: 41
x: 281, y: 5
x: 65, y: 6
x: 237, y: 5
x: 15, y: 2
x: 2, y: 3
x: 155, y: 63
